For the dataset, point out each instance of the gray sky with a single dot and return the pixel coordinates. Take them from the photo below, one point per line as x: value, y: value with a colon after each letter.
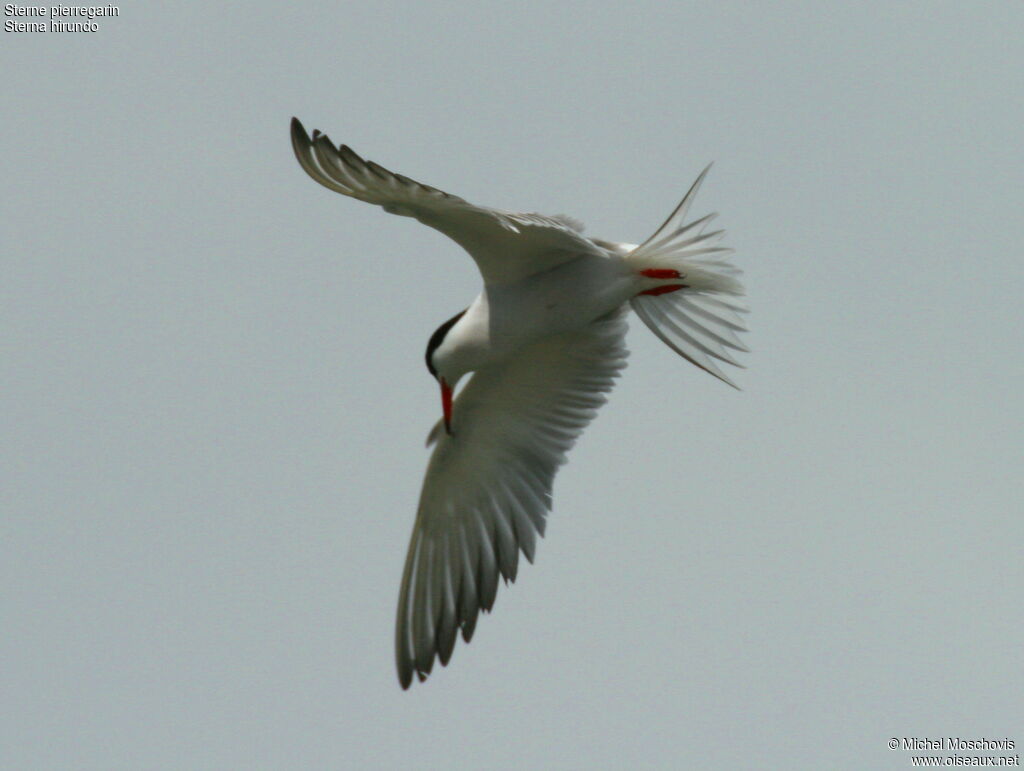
x: 215, y: 400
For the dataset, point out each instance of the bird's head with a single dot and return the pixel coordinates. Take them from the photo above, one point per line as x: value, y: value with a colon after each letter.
x: 436, y: 366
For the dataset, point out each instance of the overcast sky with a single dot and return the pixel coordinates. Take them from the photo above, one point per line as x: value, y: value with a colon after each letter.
x: 215, y: 400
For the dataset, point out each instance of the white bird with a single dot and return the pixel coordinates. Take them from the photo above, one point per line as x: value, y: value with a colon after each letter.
x: 544, y: 339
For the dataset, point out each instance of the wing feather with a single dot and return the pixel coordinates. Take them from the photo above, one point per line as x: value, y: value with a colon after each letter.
x: 505, y: 246
x: 487, y: 490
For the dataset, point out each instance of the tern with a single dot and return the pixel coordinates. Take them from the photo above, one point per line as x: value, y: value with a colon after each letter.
x: 543, y: 342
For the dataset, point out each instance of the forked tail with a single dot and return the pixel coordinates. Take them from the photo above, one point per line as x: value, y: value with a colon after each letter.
x: 691, y: 294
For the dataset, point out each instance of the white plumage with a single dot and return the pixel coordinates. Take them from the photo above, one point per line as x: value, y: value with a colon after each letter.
x: 545, y: 340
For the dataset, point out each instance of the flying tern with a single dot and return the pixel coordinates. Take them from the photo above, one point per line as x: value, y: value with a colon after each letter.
x: 544, y: 341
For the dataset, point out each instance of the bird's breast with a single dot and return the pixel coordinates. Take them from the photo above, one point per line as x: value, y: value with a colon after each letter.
x: 507, y: 317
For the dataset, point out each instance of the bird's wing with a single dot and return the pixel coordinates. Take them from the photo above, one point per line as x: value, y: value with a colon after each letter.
x: 488, y: 485
x: 506, y: 247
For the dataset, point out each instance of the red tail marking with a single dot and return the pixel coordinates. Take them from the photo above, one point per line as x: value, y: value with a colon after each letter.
x: 659, y: 273
x: 664, y: 289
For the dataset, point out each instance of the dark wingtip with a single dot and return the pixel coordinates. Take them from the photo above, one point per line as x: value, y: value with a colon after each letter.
x: 404, y: 677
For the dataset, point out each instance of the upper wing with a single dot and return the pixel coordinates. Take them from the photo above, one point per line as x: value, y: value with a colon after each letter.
x: 488, y: 484
x: 505, y: 246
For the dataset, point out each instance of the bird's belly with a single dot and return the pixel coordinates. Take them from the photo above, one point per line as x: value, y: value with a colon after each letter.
x: 508, y: 317
x: 559, y: 300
